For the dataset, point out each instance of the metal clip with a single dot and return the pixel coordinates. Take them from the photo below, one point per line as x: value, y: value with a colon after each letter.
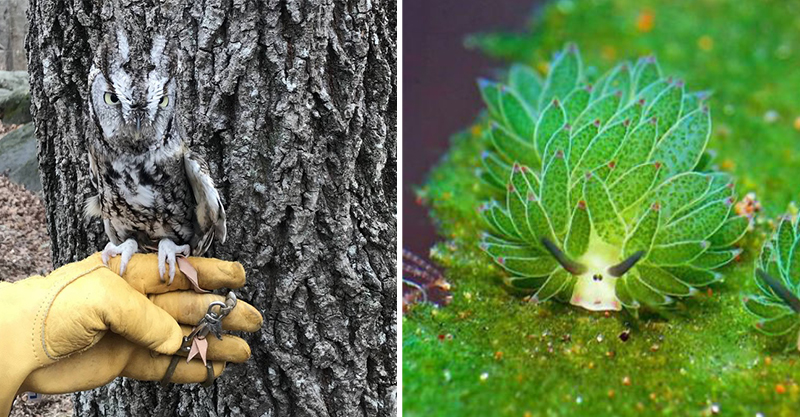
x: 210, y: 323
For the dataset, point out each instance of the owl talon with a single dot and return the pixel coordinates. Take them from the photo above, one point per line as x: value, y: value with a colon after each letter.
x: 167, y: 250
x: 126, y: 249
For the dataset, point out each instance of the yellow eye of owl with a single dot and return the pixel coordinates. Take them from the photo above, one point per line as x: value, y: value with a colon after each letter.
x: 111, y: 98
x: 164, y: 101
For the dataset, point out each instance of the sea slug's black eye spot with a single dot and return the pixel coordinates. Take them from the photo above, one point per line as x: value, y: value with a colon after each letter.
x: 597, y: 277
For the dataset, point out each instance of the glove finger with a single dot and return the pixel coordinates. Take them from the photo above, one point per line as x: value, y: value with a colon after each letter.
x: 128, y: 313
x: 147, y: 367
x: 212, y: 274
x: 188, y: 307
x: 229, y: 349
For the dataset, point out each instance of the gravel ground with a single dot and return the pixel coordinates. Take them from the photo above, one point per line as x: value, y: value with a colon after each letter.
x: 25, y: 251
x: 6, y: 128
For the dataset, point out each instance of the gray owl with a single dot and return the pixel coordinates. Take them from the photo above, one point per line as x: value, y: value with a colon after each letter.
x: 154, y: 194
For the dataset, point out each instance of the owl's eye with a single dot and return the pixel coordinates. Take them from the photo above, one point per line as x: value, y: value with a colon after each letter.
x: 164, y: 102
x: 111, y: 99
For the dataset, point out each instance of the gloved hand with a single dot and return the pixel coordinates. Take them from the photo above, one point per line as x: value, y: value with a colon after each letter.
x: 84, y: 325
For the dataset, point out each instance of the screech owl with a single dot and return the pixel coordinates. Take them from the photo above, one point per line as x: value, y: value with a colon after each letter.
x: 154, y: 194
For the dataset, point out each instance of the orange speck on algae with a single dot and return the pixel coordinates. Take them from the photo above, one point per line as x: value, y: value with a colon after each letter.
x: 780, y: 389
x: 645, y: 21
x: 609, y: 53
x: 727, y: 165
x: 705, y: 43
x: 797, y: 123
x: 543, y: 67
x: 626, y: 380
x: 498, y: 355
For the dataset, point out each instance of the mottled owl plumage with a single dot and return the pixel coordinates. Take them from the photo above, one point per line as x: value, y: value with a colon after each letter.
x: 153, y: 192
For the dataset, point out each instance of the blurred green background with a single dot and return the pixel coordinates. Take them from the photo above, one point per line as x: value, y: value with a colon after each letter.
x: 491, y: 353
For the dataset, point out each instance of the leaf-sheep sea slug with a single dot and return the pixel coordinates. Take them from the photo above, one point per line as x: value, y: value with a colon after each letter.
x: 603, y: 198
x: 777, y: 276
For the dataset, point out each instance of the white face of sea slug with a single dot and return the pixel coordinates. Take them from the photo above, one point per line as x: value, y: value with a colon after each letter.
x: 595, y: 289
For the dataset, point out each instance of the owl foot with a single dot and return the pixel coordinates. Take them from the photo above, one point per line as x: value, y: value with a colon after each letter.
x: 167, y: 250
x: 126, y: 249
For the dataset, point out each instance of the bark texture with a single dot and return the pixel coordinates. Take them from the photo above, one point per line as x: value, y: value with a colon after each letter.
x: 293, y: 104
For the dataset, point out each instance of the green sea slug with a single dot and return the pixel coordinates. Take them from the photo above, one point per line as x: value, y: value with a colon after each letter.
x: 777, y: 276
x: 602, y: 195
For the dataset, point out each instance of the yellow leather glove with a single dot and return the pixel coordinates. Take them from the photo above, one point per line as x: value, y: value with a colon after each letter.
x: 84, y: 325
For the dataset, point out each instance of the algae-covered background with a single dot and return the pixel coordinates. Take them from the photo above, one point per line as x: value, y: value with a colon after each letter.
x: 491, y: 353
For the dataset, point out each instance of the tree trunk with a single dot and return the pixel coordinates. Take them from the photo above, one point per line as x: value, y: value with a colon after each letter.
x: 13, y: 27
x: 293, y: 105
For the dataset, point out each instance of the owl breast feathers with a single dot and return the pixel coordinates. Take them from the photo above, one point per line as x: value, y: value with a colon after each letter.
x: 148, y: 200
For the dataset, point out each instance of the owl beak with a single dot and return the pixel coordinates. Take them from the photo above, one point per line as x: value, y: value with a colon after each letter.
x: 138, y: 115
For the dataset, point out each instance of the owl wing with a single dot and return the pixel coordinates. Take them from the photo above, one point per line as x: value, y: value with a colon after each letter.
x: 91, y: 207
x: 209, y: 213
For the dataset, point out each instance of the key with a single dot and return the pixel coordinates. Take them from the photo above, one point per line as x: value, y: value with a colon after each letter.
x: 196, y: 344
x: 214, y: 326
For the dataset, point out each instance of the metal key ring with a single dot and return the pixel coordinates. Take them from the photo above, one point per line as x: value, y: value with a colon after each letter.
x: 216, y: 303
x: 224, y: 309
x: 230, y: 304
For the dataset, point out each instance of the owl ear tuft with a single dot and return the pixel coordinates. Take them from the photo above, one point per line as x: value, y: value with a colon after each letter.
x: 123, y: 47
x: 157, y: 57
x: 162, y: 53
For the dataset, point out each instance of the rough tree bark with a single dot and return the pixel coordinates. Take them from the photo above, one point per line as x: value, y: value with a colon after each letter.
x: 293, y: 104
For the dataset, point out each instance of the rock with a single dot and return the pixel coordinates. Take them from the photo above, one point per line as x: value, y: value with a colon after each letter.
x: 13, y: 79
x: 18, y: 157
x: 15, y: 97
